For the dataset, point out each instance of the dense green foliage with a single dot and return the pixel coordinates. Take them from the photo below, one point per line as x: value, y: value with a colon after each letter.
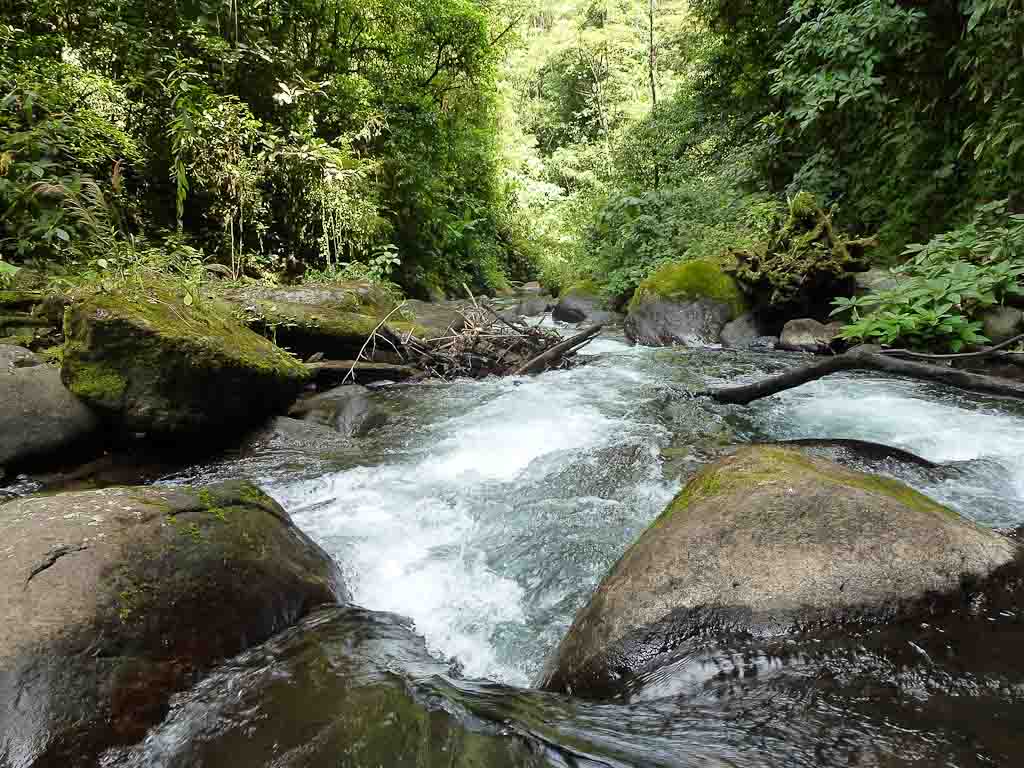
x: 272, y: 136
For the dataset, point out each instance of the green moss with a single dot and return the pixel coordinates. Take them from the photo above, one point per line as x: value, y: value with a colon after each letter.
x: 760, y: 465
x: 98, y: 383
x: 692, y: 280
x: 584, y: 288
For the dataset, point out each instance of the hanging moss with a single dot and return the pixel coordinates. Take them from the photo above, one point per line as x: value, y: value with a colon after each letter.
x: 805, y: 264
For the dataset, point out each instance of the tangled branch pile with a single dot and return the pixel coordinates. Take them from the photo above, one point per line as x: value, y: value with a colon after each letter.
x: 486, y: 344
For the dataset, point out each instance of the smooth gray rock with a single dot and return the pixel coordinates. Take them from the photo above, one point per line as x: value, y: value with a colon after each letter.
x: 348, y: 409
x: 1002, y: 323
x: 38, y: 415
x: 743, y: 333
x: 532, y: 306
x: 769, y: 542
x: 115, y: 599
x: 664, y: 322
x: 875, y: 280
x: 807, y: 335
x: 577, y: 306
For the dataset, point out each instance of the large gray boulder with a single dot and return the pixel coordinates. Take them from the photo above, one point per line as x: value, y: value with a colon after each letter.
x: 114, y: 599
x: 38, y: 415
x: 745, y: 332
x: 349, y: 409
x: 807, y: 335
x: 766, y: 543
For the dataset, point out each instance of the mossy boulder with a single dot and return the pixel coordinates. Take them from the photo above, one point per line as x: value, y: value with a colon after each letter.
x: 347, y: 687
x: 769, y: 542
x: 688, y: 303
x: 153, y: 364
x: 114, y: 599
x: 582, y: 303
x: 333, y: 319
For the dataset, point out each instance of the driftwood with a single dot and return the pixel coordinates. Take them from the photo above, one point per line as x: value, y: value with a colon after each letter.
x: 866, y: 358
x: 485, y: 344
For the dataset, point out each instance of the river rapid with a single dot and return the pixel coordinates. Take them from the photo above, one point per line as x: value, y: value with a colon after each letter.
x: 487, y: 512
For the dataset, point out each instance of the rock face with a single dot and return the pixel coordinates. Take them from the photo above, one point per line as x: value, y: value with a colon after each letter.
x: 38, y: 415
x: 347, y: 409
x: 1003, y: 323
x: 764, y: 543
x: 581, y: 304
x: 333, y: 319
x: 687, y: 303
x: 115, y: 599
x: 745, y: 332
x: 154, y: 365
x: 334, y: 691
x: 806, y: 335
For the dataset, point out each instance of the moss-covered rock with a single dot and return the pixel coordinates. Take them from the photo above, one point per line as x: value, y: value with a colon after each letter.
x: 688, y: 303
x: 334, y: 319
x: 114, y: 599
x: 804, y: 265
x: 770, y: 542
x: 155, y: 365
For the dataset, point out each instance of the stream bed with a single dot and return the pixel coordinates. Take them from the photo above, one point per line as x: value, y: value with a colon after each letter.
x: 487, y: 512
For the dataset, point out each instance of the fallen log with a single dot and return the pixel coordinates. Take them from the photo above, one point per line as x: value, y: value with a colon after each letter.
x: 559, y: 351
x: 866, y: 359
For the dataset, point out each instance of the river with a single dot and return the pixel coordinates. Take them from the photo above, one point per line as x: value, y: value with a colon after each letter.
x: 487, y: 512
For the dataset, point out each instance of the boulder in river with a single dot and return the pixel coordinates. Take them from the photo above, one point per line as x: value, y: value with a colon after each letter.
x: 153, y: 364
x: 38, y: 415
x: 114, y: 599
x: 807, y: 335
x: 687, y: 303
x: 1002, y: 324
x: 745, y: 332
x: 582, y: 303
x: 769, y: 542
x: 349, y: 409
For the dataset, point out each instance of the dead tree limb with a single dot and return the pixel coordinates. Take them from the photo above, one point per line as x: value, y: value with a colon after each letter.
x: 986, y: 352
x: 866, y: 360
x: 558, y: 351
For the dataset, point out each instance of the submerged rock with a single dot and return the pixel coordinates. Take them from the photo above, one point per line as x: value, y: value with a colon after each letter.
x: 348, y: 409
x: 582, y: 303
x: 687, y: 303
x: 38, y: 415
x: 115, y: 599
x: 806, y: 335
x: 344, y: 688
x: 154, y: 365
x: 765, y: 543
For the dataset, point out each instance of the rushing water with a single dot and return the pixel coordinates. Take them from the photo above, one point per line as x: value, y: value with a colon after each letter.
x: 487, y: 512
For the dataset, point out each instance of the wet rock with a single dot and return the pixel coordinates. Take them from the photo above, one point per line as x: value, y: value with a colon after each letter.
x: 114, y: 599
x: 807, y: 335
x: 152, y: 364
x: 348, y: 409
x: 745, y: 332
x: 766, y: 543
x: 533, y: 306
x: 687, y: 303
x: 38, y: 415
x: 581, y: 303
x: 1002, y: 324
x: 344, y: 688
x: 874, y: 281
x: 437, y: 318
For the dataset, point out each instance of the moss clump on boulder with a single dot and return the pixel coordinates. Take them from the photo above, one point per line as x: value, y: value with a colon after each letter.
x: 334, y: 319
x: 154, y: 364
x: 688, y: 303
x: 770, y: 542
x: 120, y: 597
x: 805, y: 264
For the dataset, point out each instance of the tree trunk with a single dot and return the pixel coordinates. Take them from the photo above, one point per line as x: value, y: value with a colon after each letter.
x: 652, y: 71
